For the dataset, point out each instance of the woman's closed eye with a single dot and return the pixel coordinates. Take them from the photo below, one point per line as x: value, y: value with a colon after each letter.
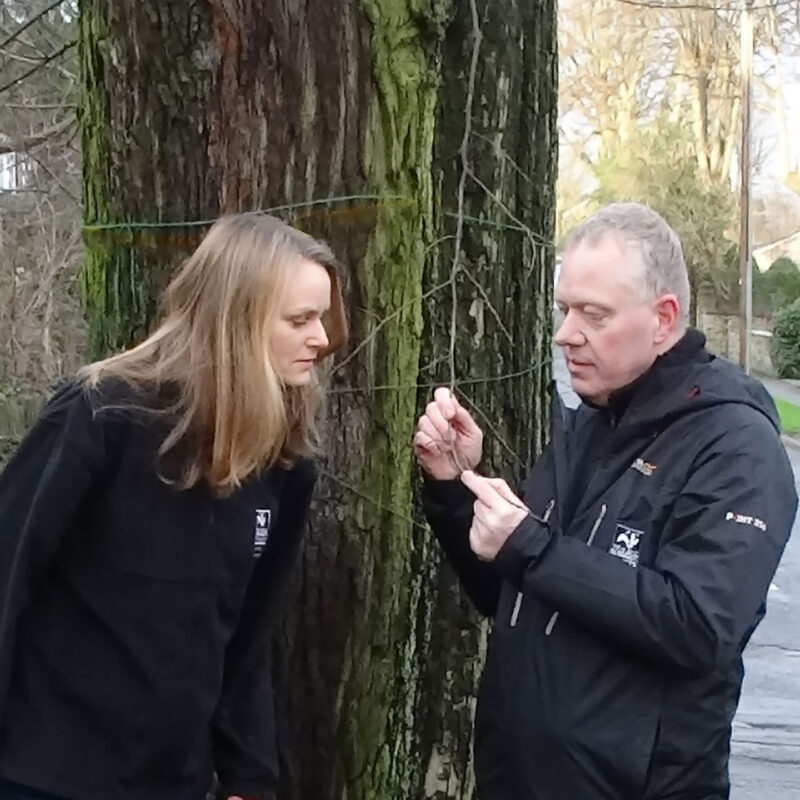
x: 301, y: 320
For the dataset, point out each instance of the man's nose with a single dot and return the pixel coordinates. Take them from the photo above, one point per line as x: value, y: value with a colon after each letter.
x: 569, y: 332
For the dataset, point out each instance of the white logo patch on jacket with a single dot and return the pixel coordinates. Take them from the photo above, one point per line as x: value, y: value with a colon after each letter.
x: 263, y: 519
x: 626, y: 544
x: 743, y: 519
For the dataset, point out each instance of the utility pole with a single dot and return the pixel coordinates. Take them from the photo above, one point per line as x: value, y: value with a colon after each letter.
x: 745, y: 233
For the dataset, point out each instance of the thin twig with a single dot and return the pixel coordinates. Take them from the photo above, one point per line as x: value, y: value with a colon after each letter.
x: 477, y: 36
x: 25, y: 190
x: 399, y: 387
x: 34, y: 19
x: 43, y: 63
x: 42, y: 106
x: 26, y: 143
x: 492, y: 309
x: 535, y: 238
x: 493, y: 430
x: 55, y: 178
x: 500, y: 151
x: 490, y: 223
x: 377, y: 503
x: 733, y: 6
x: 374, y: 332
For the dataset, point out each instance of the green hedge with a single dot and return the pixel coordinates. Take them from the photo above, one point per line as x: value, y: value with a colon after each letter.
x: 18, y: 412
x: 786, y: 341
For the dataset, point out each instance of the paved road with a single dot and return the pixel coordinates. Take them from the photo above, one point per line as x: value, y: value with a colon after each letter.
x: 786, y: 390
x: 765, y: 763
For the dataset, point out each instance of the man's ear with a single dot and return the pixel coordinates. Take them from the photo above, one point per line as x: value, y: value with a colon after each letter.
x: 668, y: 311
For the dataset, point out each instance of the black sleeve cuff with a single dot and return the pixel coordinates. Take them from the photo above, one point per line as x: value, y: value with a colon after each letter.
x: 525, y: 545
x: 451, y: 495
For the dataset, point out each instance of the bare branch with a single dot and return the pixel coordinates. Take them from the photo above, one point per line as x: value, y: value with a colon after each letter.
x: 477, y: 38
x: 396, y: 313
x: 43, y: 63
x: 27, y: 143
x: 17, y: 57
x: 671, y: 6
x: 24, y: 190
x: 55, y: 178
x: 34, y: 19
x: 495, y: 313
x: 39, y: 53
x: 43, y: 106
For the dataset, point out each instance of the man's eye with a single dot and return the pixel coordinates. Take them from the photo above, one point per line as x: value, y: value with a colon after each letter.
x: 595, y: 316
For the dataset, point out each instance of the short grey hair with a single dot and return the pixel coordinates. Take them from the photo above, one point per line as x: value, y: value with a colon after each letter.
x: 647, y: 234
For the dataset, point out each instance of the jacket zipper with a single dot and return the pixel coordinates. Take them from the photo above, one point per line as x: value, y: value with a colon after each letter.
x: 518, y: 602
x: 601, y: 516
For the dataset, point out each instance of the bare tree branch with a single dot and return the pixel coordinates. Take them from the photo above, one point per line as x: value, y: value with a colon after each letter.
x: 668, y: 5
x: 34, y: 19
x: 39, y: 53
x: 17, y: 57
x: 27, y: 143
x: 43, y: 63
x: 43, y: 106
x: 25, y: 190
x: 56, y: 180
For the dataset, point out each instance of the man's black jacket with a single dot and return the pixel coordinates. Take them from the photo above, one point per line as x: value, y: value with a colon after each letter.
x: 614, y: 667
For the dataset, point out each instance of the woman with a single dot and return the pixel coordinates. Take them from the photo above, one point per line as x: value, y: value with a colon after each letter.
x: 148, y: 525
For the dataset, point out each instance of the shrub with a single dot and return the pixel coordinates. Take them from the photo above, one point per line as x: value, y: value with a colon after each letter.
x: 785, y: 347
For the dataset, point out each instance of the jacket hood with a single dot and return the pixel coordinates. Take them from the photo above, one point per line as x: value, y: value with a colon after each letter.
x: 689, y: 379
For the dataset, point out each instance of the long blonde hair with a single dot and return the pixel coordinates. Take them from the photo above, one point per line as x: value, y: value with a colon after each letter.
x: 229, y: 411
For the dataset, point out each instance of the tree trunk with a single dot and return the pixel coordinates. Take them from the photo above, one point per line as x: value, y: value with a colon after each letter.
x: 348, y: 115
x: 503, y: 275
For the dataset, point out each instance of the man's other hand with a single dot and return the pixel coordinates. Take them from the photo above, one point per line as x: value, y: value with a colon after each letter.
x: 497, y: 513
x: 447, y: 440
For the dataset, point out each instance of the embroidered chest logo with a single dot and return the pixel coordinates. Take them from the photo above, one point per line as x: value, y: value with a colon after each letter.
x: 263, y: 518
x: 626, y: 544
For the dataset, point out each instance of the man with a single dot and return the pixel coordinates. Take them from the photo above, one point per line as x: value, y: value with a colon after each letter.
x: 627, y: 578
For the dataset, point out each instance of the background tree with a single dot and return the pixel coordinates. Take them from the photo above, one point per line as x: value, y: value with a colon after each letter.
x: 706, y: 74
x: 496, y: 206
x: 40, y: 322
x: 776, y: 288
x: 658, y: 167
x: 650, y: 94
x: 785, y: 344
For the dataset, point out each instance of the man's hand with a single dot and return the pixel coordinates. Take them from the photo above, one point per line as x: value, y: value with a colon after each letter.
x: 447, y: 439
x: 497, y: 513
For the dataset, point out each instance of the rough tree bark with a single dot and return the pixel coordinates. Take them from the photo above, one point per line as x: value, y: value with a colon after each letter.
x: 503, y: 278
x: 194, y: 109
